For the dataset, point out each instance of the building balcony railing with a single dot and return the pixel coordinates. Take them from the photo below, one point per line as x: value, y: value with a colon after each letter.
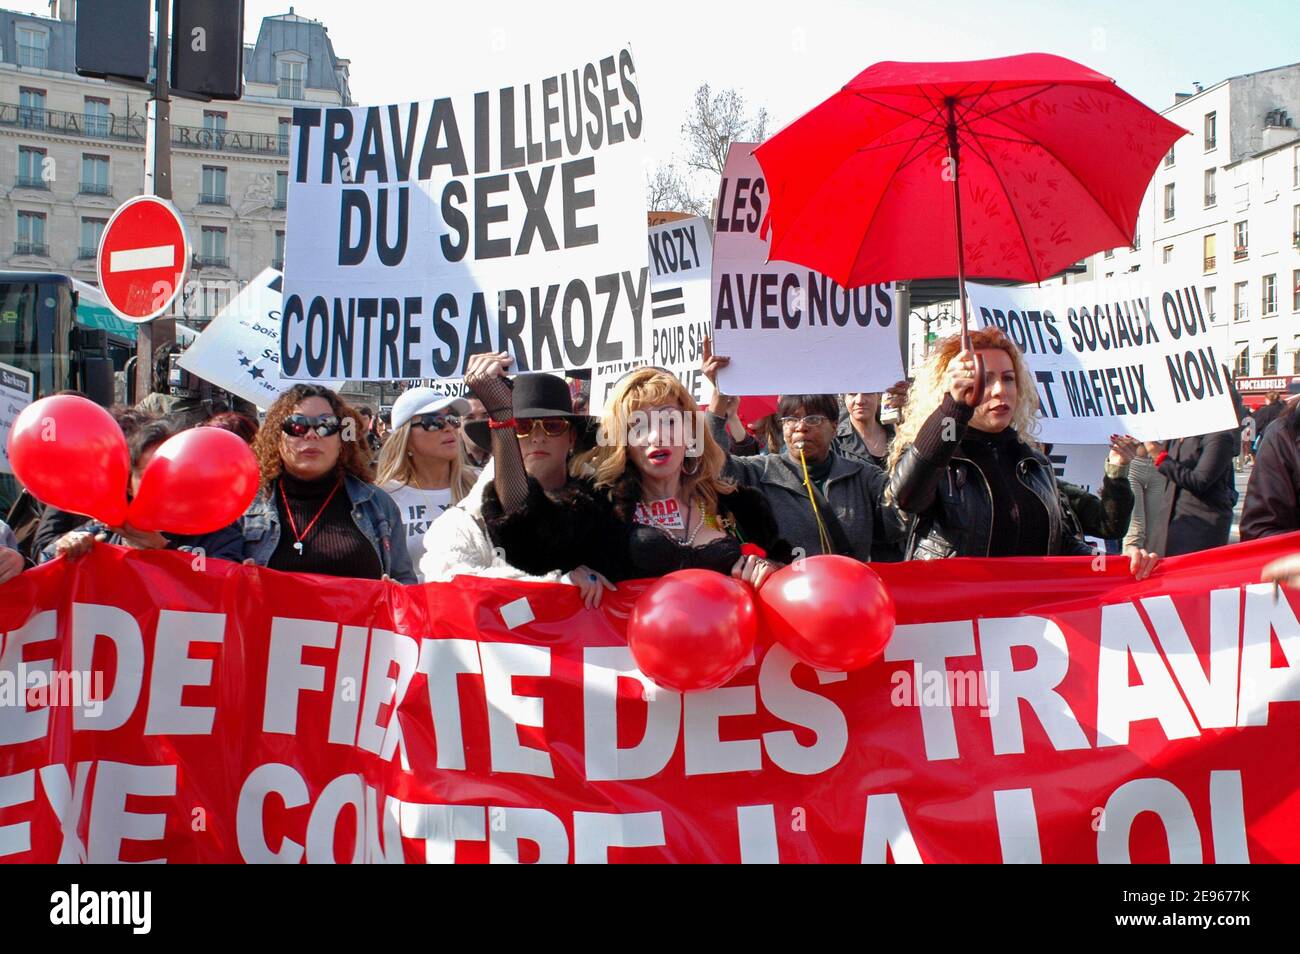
x: 96, y: 188
x: 1211, y: 142
x: 1240, y: 253
x: 84, y: 252
x: 277, y: 264
x: 230, y: 140
x: 282, y: 203
x: 32, y: 248
x: 1240, y: 312
x: 1210, y: 262
x: 132, y: 129
x: 1169, y: 212
x: 1211, y: 199
x: 123, y: 128
x: 213, y: 198
x: 212, y: 261
x: 32, y: 182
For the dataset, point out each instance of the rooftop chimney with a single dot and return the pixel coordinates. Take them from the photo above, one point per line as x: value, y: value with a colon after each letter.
x: 65, y: 10
x: 1179, y: 97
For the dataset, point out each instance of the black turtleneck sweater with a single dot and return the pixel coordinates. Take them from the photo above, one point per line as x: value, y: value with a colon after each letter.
x: 1020, y: 521
x: 335, y: 546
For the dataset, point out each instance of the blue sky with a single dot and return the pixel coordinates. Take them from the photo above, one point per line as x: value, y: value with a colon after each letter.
x: 785, y: 55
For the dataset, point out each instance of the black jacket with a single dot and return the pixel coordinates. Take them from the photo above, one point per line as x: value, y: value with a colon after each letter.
x: 940, y: 503
x: 1200, y: 491
x: 582, y: 525
x: 1105, y: 516
x: 1272, y: 503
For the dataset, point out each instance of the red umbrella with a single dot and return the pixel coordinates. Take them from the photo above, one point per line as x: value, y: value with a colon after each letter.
x: 1050, y: 158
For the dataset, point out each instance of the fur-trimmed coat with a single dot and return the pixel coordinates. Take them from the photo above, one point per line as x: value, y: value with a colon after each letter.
x: 582, y: 525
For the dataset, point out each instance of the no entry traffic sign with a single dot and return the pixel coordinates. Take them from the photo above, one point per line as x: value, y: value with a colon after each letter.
x: 143, y: 257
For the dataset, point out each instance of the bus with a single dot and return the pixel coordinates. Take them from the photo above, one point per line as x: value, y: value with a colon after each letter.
x: 46, y: 331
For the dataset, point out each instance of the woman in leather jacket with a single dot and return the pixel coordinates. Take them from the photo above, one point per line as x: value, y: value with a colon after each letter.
x: 970, y: 480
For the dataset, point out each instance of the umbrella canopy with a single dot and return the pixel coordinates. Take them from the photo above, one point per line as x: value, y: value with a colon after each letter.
x: 1052, y: 160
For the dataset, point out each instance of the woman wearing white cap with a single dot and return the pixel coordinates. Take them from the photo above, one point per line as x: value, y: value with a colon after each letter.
x: 420, y: 464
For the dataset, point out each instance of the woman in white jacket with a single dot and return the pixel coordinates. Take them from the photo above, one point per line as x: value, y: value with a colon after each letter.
x: 457, y: 543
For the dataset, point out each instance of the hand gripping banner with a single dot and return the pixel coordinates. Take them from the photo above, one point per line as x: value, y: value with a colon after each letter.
x: 157, y: 708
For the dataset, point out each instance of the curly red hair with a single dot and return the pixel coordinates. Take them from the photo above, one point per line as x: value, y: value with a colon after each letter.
x: 354, y: 457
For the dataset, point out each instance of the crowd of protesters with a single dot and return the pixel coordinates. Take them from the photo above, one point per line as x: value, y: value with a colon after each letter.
x: 516, y: 480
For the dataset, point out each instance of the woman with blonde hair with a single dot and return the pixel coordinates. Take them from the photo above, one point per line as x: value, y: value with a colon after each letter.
x: 972, y: 480
x: 420, y: 465
x: 647, y: 501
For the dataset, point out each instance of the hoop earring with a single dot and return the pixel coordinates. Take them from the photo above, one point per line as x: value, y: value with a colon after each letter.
x: 696, y: 470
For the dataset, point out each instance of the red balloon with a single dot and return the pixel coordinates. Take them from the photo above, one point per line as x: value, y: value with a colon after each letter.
x: 70, y: 453
x: 199, y: 481
x: 831, y: 612
x: 692, y: 630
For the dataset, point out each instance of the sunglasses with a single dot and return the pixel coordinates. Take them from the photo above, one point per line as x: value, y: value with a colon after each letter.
x: 300, y: 425
x: 436, y: 422
x: 551, y: 426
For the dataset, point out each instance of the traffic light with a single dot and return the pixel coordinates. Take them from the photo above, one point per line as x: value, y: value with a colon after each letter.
x: 113, y: 39
x: 208, y: 48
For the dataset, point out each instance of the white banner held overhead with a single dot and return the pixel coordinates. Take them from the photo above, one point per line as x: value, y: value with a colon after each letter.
x: 1126, y: 356
x: 787, y: 329
x: 681, y: 256
x: 240, y: 350
x: 502, y: 219
x: 16, y: 392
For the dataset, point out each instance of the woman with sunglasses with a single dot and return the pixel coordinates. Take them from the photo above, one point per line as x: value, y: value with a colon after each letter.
x: 420, y: 464
x: 547, y: 434
x: 652, y: 502
x: 317, y: 510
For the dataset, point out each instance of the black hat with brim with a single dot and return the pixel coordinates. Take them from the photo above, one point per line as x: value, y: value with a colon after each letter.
x: 539, y: 395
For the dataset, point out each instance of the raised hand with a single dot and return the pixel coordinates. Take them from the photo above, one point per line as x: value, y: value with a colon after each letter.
x: 485, y: 376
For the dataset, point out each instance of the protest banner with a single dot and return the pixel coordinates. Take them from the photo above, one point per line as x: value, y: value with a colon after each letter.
x: 1123, y: 356
x: 681, y: 261
x: 16, y: 386
x: 1025, y: 710
x: 240, y: 350
x: 509, y: 219
x: 786, y: 328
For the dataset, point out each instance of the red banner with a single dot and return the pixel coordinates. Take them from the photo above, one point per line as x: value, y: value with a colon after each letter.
x: 154, y: 708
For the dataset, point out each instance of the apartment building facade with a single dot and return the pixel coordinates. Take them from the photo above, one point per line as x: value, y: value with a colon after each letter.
x: 1223, y: 206
x: 73, y: 148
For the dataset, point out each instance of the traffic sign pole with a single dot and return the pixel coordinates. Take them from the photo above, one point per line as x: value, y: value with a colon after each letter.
x: 157, y: 181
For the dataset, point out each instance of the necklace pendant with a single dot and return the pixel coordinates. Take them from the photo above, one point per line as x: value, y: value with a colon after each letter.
x: 297, y: 545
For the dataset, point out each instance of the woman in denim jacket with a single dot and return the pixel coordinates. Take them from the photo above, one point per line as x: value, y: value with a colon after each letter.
x: 318, y: 510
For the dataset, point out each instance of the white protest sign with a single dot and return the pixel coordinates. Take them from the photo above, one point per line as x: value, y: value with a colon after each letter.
x: 681, y: 257
x: 240, y: 350
x: 1127, y: 356
x: 508, y: 218
x: 16, y: 389
x: 786, y: 328
x: 1081, y: 464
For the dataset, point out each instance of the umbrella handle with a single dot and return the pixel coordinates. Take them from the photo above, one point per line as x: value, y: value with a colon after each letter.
x: 976, y: 396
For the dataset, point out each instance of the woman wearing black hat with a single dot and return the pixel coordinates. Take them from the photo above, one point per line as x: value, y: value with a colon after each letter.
x: 655, y: 502
x: 547, y: 434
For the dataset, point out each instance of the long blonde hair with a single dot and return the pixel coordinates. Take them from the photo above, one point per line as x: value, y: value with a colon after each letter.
x: 395, y: 464
x: 647, y: 388
x: 931, y: 385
